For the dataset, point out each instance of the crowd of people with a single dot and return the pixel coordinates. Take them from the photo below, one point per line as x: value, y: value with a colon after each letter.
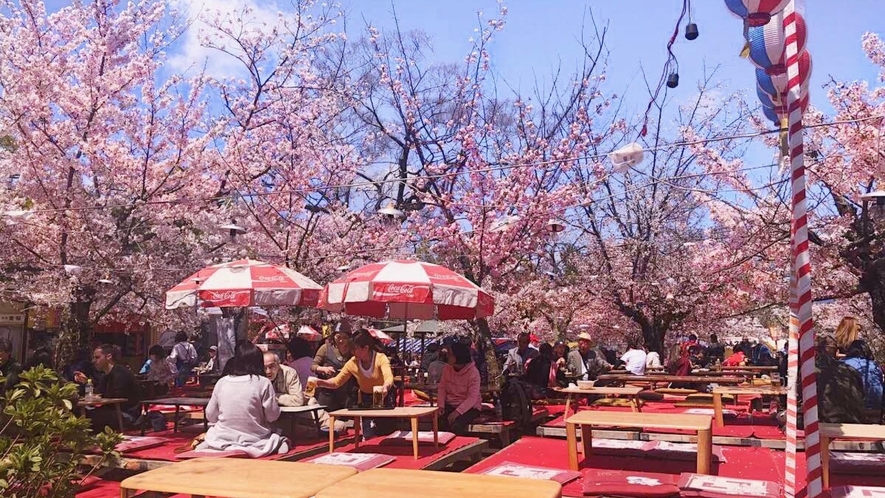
x: 347, y: 369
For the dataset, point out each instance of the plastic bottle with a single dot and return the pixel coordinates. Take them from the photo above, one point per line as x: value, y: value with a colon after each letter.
x: 89, y: 390
x: 718, y: 365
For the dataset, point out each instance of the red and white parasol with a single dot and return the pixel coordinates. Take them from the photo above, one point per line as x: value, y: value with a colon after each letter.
x: 309, y: 334
x: 245, y: 282
x: 405, y: 289
x: 381, y: 336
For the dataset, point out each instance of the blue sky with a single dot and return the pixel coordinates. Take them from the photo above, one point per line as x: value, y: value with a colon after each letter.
x: 540, y: 35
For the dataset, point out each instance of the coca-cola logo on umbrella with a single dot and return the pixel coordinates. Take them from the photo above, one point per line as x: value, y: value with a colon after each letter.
x: 361, y: 275
x: 400, y: 292
x: 449, y: 277
x: 238, y: 297
x: 271, y: 278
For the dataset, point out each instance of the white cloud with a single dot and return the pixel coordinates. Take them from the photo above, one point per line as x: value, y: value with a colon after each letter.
x: 191, y: 53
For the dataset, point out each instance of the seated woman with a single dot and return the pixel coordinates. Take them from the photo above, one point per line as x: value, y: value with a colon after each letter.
x: 243, y: 407
x: 458, y: 393
x: 162, y: 371
x: 859, y: 357
x: 370, y: 367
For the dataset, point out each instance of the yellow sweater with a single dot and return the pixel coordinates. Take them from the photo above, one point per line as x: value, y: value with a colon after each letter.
x: 381, y: 374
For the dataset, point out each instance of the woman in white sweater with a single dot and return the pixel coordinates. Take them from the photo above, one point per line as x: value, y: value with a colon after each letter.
x: 243, y: 407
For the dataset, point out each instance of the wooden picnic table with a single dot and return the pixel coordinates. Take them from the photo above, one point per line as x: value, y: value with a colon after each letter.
x: 632, y: 392
x: 587, y: 419
x: 177, y: 402
x: 237, y: 478
x: 661, y: 379
x: 738, y: 390
x: 829, y: 432
x: 312, y: 409
x: 400, y: 483
x: 83, y: 403
x: 413, y: 413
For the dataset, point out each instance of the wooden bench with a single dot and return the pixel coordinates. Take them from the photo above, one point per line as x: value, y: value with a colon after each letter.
x: 738, y: 390
x: 587, y: 419
x: 497, y: 428
x: 829, y: 432
x: 631, y: 392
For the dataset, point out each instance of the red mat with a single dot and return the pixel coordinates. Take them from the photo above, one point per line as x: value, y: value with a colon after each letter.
x: 404, y: 456
x: 747, y: 463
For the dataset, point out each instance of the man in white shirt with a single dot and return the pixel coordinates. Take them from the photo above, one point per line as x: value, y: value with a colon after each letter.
x: 634, y: 358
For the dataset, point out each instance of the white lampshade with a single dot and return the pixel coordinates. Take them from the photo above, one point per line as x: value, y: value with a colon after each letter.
x: 555, y: 226
x: 233, y: 228
x: 626, y: 157
x: 391, y: 210
x: 504, y: 223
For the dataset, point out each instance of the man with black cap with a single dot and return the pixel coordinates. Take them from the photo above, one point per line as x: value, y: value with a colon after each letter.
x: 458, y: 394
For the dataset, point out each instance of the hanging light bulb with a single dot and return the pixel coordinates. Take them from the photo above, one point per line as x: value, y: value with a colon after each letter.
x: 673, y: 80
x: 691, y: 31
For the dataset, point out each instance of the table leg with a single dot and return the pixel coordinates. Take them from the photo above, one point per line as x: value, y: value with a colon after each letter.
x: 119, y: 417
x: 316, y: 422
x: 175, y: 424
x: 587, y: 439
x: 357, y: 431
x: 126, y: 493
x: 435, y: 422
x: 572, y: 442
x: 717, y: 409
x: 634, y: 404
x: 331, y: 433
x: 825, y: 460
x: 568, y: 403
x: 402, y: 396
x: 414, y: 421
x: 705, y: 451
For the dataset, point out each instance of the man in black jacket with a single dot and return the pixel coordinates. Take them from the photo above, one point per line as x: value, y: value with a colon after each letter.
x: 117, y: 382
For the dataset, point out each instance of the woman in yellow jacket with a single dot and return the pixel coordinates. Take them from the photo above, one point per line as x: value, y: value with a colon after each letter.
x: 371, y: 368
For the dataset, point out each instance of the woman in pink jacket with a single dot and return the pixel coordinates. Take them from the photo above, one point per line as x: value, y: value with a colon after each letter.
x: 458, y: 393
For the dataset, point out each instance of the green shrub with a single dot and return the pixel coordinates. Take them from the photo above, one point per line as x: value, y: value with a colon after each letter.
x: 42, y: 441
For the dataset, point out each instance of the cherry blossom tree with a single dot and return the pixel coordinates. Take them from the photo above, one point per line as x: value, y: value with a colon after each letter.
x: 656, y: 245
x: 478, y: 174
x: 100, y: 153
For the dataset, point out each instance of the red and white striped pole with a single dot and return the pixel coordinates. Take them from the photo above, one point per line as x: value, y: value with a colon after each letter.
x: 792, y: 401
x: 801, y: 268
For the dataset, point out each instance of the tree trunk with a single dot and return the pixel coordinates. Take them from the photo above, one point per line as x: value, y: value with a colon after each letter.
x: 873, y: 281
x: 231, y: 329
x: 485, y: 338
x: 654, y: 338
x: 76, y: 333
